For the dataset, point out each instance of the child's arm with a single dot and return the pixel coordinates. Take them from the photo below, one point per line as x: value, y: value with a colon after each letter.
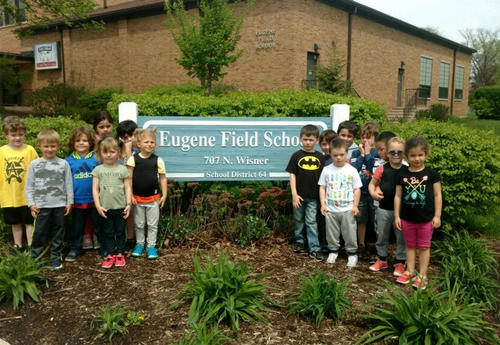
x: 30, y: 191
x: 127, y: 182
x: 322, y: 199
x: 375, y: 190
x: 95, y: 193
x: 131, y: 173
x: 296, y: 198
x: 397, y: 206
x: 68, y: 180
x: 163, y: 186
x: 357, y: 197
x: 438, y: 205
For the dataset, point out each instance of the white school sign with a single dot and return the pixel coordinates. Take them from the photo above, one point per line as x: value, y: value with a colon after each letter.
x: 228, y: 148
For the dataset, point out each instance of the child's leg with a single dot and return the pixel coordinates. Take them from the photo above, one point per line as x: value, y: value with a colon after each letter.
x: 56, y: 232
x: 108, y: 233
x: 41, y: 232
x: 385, y: 218
x: 410, y: 259
x: 400, y: 245
x: 153, y: 217
x: 17, y: 234
x: 311, y: 210
x: 424, y: 255
x: 298, y: 223
x: 332, y: 229
x: 119, y: 230
x: 79, y: 219
x: 29, y: 233
x: 424, y: 244
x: 410, y: 231
x: 361, y: 234
x: 140, y: 216
x: 96, y: 219
x: 348, y: 229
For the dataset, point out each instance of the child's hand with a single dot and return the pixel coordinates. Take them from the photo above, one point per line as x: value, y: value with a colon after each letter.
x: 323, y: 210
x: 378, y: 195
x: 102, y: 211
x: 397, y: 223
x: 436, y: 222
x: 134, y: 202
x: 296, y: 201
x: 34, y: 211
x: 68, y: 208
x: 361, y: 149
x: 355, y: 211
x: 162, y: 201
x: 126, y: 212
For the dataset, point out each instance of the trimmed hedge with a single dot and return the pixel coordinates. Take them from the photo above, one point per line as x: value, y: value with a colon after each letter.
x: 468, y: 162
x: 486, y: 103
x: 310, y: 103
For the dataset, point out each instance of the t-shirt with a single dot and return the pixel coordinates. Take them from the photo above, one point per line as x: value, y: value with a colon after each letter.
x: 81, y: 170
x: 364, y: 165
x: 13, y: 167
x: 387, y: 176
x: 340, y: 184
x: 111, y: 186
x: 306, y: 166
x: 417, y: 200
x: 145, y: 177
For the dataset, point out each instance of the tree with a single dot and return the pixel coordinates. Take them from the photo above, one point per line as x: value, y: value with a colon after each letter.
x: 72, y: 13
x: 10, y: 78
x: 433, y: 29
x: 486, y: 61
x: 329, y: 75
x: 207, y: 42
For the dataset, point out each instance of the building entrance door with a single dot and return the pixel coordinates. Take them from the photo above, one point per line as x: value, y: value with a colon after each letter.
x: 312, y: 60
x: 400, y: 85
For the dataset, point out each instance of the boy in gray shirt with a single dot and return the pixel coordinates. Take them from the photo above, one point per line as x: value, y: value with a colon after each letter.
x: 49, y: 192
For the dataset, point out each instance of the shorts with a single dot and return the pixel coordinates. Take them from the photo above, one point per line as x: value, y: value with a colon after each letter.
x: 366, y: 210
x: 417, y: 235
x: 17, y: 215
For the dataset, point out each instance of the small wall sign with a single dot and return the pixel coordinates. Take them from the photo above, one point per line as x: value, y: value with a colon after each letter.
x: 46, y: 56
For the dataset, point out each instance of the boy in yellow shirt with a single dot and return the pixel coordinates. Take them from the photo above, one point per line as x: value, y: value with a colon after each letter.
x: 15, y: 157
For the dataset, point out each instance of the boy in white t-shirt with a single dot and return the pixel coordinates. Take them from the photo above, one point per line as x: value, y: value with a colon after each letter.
x: 339, y: 196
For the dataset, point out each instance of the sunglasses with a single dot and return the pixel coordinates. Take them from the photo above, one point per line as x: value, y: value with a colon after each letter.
x: 395, y: 153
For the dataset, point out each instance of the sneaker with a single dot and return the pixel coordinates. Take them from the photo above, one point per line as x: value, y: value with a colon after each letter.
x: 378, y: 265
x: 352, y: 260
x: 405, y: 278
x: 72, y: 255
x: 96, y: 244
x: 316, y: 255
x: 299, y: 247
x: 109, y: 261
x: 16, y: 249
x: 372, y: 261
x: 138, y: 250
x: 420, y: 282
x: 399, y: 269
x: 152, y: 253
x: 332, y: 257
x: 87, y: 243
x: 56, y: 265
x: 361, y: 249
x: 120, y: 260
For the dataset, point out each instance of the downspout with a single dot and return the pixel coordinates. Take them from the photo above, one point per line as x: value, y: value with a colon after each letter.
x: 62, y: 54
x: 349, y: 35
x: 452, y: 98
x: 105, y: 4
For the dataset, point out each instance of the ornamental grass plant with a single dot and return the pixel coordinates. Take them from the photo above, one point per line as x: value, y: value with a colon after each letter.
x: 112, y: 320
x: 200, y: 334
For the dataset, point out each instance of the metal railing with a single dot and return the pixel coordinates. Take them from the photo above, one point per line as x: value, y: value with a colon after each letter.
x: 413, y: 100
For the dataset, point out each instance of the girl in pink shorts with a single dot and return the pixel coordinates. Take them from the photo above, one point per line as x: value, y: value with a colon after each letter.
x: 417, y: 209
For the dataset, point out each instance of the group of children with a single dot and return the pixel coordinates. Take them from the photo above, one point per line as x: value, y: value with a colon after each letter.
x: 356, y: 185
x: 103, y: 182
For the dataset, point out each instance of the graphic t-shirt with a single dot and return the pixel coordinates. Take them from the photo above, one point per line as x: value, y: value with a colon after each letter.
x: 81, y: 170
x: 340, y: 185
x: 306, y: 166
x: 417, y: 200
x: 111, y: 186
x: 13, y: 168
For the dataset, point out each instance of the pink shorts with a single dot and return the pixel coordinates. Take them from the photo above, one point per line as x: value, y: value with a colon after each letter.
x: 417, y: 235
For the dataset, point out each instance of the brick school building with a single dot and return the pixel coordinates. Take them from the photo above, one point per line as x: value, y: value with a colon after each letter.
x: 387, y: 60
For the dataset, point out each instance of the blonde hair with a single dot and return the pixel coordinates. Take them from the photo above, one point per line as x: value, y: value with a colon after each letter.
x: 13, y: 123
x: 396, y: 140
x: 146, y: 132
x: 48, y: 135
x: 105, y: 145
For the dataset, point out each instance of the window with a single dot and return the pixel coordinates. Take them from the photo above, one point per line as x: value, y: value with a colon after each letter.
x: 425, y: 77
x: 1, y: 17
x: 11, y: 18
x: 459, y: 83
x: 444, y: 79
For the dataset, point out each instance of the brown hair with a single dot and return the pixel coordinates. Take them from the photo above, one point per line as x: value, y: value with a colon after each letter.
x: 309, y: 130
x: 327, y: 135
x: 338, y: 143
x: 350, y: 126
x: 369, y: 129
x: 13, y: 123
x: 106, y: 144
x: 416, y: 142
x: 48, y: 135
x: 77, y: 133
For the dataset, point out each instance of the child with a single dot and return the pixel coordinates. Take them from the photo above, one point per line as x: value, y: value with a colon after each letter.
x: 417, y: 209
x: 339, y: 196
x: 347, y: 131
x: 15, y: 157
x: 112, y: 192
x: 381, y: 145
x: 82, y: 161
x: 382, y: 188
x: 49, y: 192
x: 144, y: 168
x: 103, y: 125
x: 305, y: 168
x: 363, y: 159
x: 324, y: 143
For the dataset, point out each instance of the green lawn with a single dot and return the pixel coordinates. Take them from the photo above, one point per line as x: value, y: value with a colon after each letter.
x: 473, y: 122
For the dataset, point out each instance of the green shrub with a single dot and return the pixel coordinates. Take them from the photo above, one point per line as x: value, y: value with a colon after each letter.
x: 76, y: 113
x: 174, y: 228
x: 203, y: 335
x: 112, y: 320
x: 423, y: 317
x: 225, y: 291
x: 486, y: 102
x: 20, y: 275
x: 99, y: 99
x: 438, y: 112
x: 468, y: 164
x: 48, y: 99
x: 309, y: 103
x: 487, y: 223
x: 246, y: 229
x: 220, y: 89
x: 169, y: 90
x: 319, y: 296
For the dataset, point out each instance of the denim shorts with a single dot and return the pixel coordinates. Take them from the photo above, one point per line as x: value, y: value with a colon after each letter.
x: 366, y: 210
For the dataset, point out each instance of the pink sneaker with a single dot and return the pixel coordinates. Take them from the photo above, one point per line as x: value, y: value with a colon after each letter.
x: 399, y: 269
x: 405, y: 278
x: 109, y: 261
x: 120, y: 260
x: 378, y: 265
x: 420, y: 282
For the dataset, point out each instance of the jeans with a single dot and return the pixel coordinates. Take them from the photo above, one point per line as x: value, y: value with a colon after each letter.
x: 79, y: 220
x: 306, y: 215
x: 113, y: 231
x: 385, y: 221
x: 49, y: 226
x: 146, y: 213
